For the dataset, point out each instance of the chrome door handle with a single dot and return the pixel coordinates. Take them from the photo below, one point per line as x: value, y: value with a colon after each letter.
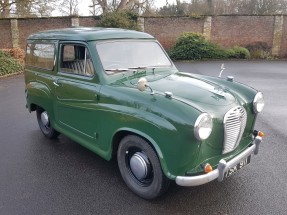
x: 56, y: 84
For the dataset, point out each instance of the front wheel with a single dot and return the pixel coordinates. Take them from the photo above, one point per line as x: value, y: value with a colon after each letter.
x: 140, y: 168
x: 45, y: 125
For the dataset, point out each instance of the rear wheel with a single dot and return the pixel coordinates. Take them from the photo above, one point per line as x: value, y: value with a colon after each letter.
x: 45, y: 125
x: 140, y: 168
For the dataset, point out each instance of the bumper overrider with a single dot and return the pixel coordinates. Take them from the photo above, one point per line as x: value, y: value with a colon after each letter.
x: 222, y: 168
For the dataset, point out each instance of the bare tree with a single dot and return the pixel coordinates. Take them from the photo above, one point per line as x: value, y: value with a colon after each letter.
x: 104, y: 6
x: 210, y: 6
x: 94, y: 10
x: 261, y: 7
x: 202, y: 7
x: 69, y: 7
x: 244, y: 7
x: 23, y: 8
x: 270, y: 7
x: 178, y: 9
x: 44, y: 8
x: 225, y: 7
x: 26, y: 8
x: 5, y: 8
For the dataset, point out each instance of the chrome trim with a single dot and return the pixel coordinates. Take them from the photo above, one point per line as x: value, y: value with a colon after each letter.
x: 85, y: 62
x: 255, y: 101
x: 139, y: 166
x: 45, y: 118
x: 56, y: 84
x: 234, y: 123
x: 197, y: 124
x: 223, y: 166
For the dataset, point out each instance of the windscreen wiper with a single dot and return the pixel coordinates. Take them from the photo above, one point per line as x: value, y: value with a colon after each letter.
x: 112, y: 71
x: 139, y: 67
x: 142, y: 68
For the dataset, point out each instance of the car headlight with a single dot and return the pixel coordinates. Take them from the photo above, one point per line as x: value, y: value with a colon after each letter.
x: 258, y: 102
x: 203, y: 126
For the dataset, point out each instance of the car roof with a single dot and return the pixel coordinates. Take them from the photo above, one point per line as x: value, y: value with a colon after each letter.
x: 88, y: 34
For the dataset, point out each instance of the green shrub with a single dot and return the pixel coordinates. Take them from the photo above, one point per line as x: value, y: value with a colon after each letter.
x: 259, y: 50
x: 193, y: 46
x: 238, y: 53
x: 8, y: 64
x: 121, y: 19
x: 16, y: 53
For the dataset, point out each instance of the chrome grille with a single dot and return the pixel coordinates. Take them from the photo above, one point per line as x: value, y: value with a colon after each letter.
x: 234, y: 125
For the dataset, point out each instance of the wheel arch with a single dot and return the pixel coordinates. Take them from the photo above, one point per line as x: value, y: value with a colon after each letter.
x: 38, y: 94
x: 33, y: 107
x: 123, y: 132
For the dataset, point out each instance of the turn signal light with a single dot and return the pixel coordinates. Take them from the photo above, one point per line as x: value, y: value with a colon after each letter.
x: 261, y: 134
x: 208, y: 168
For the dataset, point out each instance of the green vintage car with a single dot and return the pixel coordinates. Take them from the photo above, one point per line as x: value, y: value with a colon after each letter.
x: 117, y: 93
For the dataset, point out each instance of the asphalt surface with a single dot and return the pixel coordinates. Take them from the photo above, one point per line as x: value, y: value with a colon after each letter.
x: 41, y: 176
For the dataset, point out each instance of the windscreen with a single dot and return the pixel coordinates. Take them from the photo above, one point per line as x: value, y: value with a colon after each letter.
x: 120, y: 55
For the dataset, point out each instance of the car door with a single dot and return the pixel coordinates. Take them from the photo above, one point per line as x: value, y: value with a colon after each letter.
x: 77, y: 92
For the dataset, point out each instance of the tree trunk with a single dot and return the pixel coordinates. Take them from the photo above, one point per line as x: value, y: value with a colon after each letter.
x: 5, y: 9
x: 210, y: 7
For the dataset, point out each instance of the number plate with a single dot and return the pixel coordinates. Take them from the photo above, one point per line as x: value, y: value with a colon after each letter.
x: 232, y: 170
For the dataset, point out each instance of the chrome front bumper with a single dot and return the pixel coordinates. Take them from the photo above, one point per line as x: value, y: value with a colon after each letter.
x: 223, y: 166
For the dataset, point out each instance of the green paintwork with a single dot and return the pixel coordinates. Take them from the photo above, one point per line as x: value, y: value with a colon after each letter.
x: 88, y: 34
x: 96, y: 112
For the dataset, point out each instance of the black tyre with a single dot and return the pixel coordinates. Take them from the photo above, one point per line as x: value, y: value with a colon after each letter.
x: 45, y: 125
x: 140, y: 168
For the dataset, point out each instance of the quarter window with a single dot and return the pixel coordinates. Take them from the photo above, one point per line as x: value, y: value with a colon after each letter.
x: 76, y: 59
x: 40, y: 55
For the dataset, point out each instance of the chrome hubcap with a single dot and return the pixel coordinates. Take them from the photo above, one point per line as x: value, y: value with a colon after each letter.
x: 140, y: 165
x: 45, y: 118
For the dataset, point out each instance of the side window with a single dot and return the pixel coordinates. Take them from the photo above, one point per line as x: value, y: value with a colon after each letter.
x: 76, y: 59
x: 40, y: 55
x: 68, y: 53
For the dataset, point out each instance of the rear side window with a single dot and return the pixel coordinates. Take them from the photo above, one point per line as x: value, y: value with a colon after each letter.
x: 40, y: 55
x: 76, y: 59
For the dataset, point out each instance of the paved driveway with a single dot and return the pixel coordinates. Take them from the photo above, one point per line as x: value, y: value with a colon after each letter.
x: 40, y: 176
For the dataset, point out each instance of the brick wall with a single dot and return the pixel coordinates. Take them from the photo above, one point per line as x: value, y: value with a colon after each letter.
x: 88, y: 21
x: 5, y: 34
x: 227, y: 31
x: 166, y: 30
x: 29, y: 26
x: 242, y: 30
x: 283, y: 50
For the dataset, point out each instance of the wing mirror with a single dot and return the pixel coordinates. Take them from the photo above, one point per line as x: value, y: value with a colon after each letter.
x: 143, y: 84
